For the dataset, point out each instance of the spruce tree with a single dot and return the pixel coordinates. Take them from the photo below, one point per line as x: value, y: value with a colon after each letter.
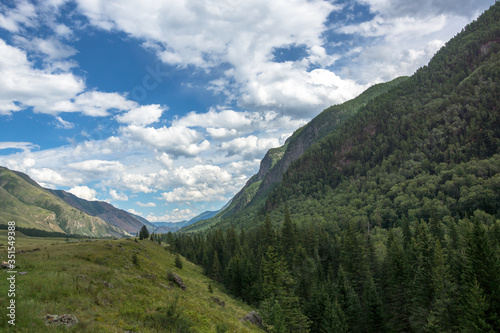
x: 216, y: 268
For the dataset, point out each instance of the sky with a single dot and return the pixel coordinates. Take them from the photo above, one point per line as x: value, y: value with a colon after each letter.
x: 165, y: 108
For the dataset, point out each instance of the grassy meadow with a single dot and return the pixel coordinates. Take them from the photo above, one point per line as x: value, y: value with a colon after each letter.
x: 112, y: 286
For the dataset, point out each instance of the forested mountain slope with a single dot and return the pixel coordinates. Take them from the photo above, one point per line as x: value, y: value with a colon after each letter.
x: 391, y: 223
x: 277, y: 160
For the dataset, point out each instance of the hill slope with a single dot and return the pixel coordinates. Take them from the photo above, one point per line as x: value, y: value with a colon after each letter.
x: 28, y: 204
x: 100, y: 285
x: 105, y: 211
x: 277, y: 160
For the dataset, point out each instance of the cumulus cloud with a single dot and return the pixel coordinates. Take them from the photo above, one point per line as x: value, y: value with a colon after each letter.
x: 175, y: 215
x: 250, y: 147
x: 48, y: 178
x: 245, y: 36
x: 174, y: 140
x: 21, y: 85
x: 202, y: 193
x: 84, y: 192
x: 143, y: 115
x: 118, y: 196
x: 227, y: 124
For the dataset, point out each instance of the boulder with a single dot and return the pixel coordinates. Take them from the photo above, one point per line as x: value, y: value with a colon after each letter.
x: 254, y: 318
x: 177, y: 279
x: 218, y: 301
x: 65, y: 319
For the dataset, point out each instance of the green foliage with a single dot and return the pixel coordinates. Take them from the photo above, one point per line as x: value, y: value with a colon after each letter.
x: 178, y: 261
x: 143, y: 233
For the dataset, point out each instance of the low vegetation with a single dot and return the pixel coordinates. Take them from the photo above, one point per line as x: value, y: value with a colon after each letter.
x: 97, y: 282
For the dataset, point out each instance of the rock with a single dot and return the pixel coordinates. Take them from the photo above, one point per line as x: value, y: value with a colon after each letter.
x: 177, y: 279
x: 254, y: 318
x: 218, y: 301
x: 65, y: 319
x: 107, y: 284
x: 165, y: 286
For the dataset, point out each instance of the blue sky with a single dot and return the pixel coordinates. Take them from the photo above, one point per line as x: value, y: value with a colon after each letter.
x: 165, y: 108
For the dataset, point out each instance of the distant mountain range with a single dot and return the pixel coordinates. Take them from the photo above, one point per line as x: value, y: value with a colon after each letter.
x: 23, y: 200
x: 105, y: 211
x: 31, y: 206
x: 165, y: 227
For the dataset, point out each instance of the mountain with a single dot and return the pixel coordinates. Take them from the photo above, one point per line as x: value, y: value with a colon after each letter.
x: 447, y: 112
x: 105, y: 211
x: 277, y: 160
x: 165, y: 227
x: 28, y: 204
x: 391, y: 221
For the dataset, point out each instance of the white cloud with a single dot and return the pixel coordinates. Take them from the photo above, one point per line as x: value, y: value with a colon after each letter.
x: 50, y: 47
x: 149, y: 204
x: 50, y: 91
x: 61, y: 123
x: 227, y: 124
x: 133, y: 211
x: 165, y: 159
x: 26, y: 146
x: 202, y: 193
x: 208, y: 34
x: 222, y: 119
x: 176, y: 215
x: 222, y: 133
x: 84, y: 192
x: 143, y: 115
x: 250, y: 147
x: 21, y: 85
x: 98, y: 165
x: 174, y: 140
x: 48, y: 178
x: 97, y: 104
x: 22, y: 14
x: 118, y: 196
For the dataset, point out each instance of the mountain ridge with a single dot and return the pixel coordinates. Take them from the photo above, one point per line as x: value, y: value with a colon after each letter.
x: 31, y: 206
x: 105, y: 211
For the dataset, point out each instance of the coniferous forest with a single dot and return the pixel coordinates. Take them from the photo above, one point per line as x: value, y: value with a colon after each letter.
x: 391, y: 223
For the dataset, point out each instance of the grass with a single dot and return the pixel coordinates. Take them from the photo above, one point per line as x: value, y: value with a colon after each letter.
x: 97, y: 282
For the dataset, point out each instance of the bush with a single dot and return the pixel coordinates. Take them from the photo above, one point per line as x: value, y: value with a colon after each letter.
x: 178, y: 262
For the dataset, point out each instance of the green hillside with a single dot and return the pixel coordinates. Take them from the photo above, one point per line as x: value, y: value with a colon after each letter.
x: 22, y: 200
x: 114, y: 286
x: 391, y: 222
x: 277, y: 160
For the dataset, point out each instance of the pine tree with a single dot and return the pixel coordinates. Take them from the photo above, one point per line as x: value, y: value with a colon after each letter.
x: 216, y: 268
x: 143, y: 233
x: 333, y: 319
x: 397, y: 280
x: 288, y: 239
x: 372, y: 308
